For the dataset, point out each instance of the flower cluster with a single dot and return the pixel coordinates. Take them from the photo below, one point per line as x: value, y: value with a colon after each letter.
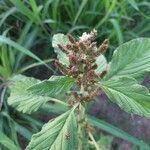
x: 82, y: 56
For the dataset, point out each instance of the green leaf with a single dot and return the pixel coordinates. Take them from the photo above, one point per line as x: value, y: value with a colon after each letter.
x: 63, y: 40
x: 55, y: 108
x: 131, y: 59
x: 24, y: 97
x: 25, y: 10
x: 53, y: 87
x: 116, y: 131
x: 7, y: 142
x: 59, y: 133
x: 105, y: 142
x: 23, y: 100
x: 129, y: 95
x: 5, y: 40
x: 23, y: 131
x: 133, y: 4
x: 117, y: 29
x: 102, y: 64
x: 80, y: 9
x: 6, y: 14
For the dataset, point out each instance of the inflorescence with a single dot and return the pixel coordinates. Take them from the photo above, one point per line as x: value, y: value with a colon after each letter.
x: 82, y: 56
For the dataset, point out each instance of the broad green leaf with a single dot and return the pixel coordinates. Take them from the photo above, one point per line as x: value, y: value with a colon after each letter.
x: 102, y: 64
x: 58, y: 134
x: 23, y: 100
x: 128, y: 94
x: 131, y: 59
x: 63, y: 40
x: 7, y: 142
x: 116, y: 131
x: 53, y: 87
x: 24, y: 97
x: 55, y: 108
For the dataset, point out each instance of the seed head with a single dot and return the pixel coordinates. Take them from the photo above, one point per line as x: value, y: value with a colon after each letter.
x: 82, y: 56
x: 71, y: 39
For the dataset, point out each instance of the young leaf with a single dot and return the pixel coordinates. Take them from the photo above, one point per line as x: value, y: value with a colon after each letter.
x: 101, y: 63
x: 27, y: 99
x: 129, y: 95
x: 57, y: 134
x: 63, y: 40
x: 131, y: 59
x: 116, y: 131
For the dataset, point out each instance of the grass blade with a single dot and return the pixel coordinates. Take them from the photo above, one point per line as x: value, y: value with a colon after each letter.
x: 24, y: 10
x: 34, y: 8
x: 6, y: 40
x: 7, y: 142
x: 113, y: 4
x: 6, y: 14
x: 23, y: 131
x: 116, y: 131
x: 117, y: 30
x: 133, y: 4
x: 80, y: 10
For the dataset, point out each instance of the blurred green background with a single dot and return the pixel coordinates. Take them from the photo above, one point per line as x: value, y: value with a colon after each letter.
x: 30, y: 24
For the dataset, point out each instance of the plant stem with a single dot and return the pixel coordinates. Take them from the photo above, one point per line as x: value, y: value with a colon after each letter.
x: 35, y: 65
x: 59, y: 101
x: 81, y: 129
x: 93, y: 140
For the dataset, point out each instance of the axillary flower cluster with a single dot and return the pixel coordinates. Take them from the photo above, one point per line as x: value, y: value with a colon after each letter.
x: 82, y: 56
